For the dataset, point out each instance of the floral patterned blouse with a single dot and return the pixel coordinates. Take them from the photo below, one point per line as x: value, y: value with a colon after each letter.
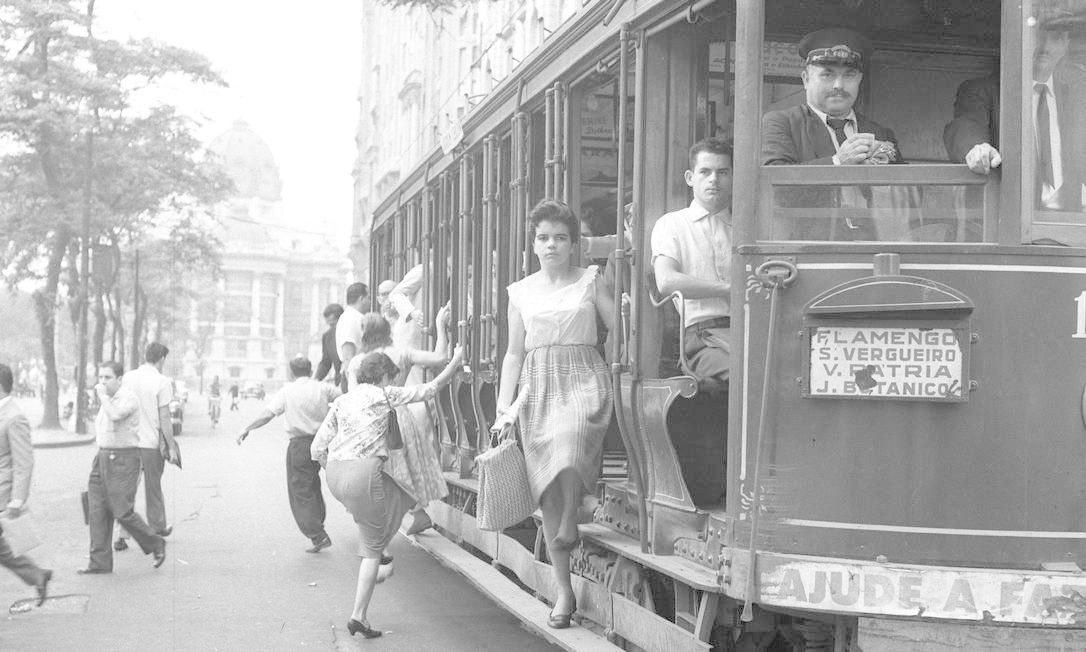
x: 357, y: 422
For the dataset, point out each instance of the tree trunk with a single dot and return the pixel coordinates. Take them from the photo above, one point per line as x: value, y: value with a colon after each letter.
x: 99, y: 347
x: 45, y: 306
x: 138, y: 326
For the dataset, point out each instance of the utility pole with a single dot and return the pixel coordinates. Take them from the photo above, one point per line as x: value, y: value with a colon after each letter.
x: 84, y: 294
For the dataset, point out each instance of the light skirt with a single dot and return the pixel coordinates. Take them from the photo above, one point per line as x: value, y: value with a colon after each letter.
x: 565, y: 418
x: 372, y: 497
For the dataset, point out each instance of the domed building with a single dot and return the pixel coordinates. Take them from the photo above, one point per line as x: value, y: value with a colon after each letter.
x: 275, y: 280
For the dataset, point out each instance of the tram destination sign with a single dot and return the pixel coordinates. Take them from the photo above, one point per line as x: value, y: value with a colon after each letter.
x: 887, y: 362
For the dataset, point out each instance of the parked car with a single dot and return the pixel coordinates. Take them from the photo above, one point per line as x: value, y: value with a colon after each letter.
x: 181, y: 391
x: 177, y: 415
x: 253, y: 389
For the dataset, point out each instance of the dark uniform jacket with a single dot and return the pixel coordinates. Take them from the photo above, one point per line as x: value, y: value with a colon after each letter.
x: 330, y: 357
x: 797, y: 136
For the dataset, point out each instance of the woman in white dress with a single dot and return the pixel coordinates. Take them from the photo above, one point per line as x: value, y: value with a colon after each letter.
x: 552, y: 352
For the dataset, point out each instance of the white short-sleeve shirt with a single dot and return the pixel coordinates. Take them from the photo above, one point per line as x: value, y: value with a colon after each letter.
x: 152, y: 390
x: 701, y: 244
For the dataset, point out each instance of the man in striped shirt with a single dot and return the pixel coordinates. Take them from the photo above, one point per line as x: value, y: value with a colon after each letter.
x: 303, y: 403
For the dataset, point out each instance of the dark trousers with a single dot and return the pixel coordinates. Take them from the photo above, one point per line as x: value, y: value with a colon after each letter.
x: 304, y: 488
x: 153, y: 464
x: 708, y: 349
x: 27, y: 570
x: 111, y: 495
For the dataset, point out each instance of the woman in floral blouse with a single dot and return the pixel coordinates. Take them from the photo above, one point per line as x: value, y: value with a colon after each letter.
x: 352, y: 446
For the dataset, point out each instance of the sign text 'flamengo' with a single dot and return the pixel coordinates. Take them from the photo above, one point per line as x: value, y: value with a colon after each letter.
x: 886, y: 362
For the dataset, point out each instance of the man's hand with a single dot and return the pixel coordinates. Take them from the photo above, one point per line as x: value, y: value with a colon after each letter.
x: 982, y: 158
x: 173, y: 454
x: 856, y: 149
x: 14, y: 510
x: 242, y: 436
x: 100, y: 389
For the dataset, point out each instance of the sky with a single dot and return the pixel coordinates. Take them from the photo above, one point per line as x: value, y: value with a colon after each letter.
x: 293, y: 74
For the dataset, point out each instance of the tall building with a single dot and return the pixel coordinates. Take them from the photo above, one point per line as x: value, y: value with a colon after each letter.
x: 276, y: 278
x: 422, y: 73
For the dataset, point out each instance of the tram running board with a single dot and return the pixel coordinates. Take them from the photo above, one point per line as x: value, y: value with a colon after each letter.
x: 509, y: 596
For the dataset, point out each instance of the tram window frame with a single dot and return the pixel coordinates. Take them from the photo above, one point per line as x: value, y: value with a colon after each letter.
x: 1041, y: 225
x: 973, y: 216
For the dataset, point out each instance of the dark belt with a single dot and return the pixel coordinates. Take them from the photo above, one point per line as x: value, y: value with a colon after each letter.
x: 715, y: 322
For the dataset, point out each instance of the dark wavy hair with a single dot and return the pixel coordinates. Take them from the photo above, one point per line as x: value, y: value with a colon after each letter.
x: 374, y: 367
x: 550, y: 210
x: 376, y: 331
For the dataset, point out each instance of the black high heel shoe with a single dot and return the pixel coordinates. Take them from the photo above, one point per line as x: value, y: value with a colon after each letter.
x: 354, y: 627
x: 562, y: 621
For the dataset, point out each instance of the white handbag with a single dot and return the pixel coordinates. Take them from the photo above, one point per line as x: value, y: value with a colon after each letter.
x: 504, y: 499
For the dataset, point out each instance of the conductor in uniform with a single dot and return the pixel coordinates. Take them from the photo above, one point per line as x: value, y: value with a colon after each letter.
x: 826, y: 129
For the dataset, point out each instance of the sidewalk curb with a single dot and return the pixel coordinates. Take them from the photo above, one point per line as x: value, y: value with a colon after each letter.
x: 65, y: 443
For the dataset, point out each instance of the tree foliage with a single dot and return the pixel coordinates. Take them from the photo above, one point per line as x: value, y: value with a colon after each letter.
x: 83, y: 134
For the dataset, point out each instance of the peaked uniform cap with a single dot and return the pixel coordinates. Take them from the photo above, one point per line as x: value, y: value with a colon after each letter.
x: 834, y: 45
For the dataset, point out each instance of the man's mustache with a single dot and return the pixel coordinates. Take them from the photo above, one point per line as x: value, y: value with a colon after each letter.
x: 844, y: 94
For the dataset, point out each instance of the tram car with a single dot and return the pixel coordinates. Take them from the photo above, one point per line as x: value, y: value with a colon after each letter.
x: 898, y: 463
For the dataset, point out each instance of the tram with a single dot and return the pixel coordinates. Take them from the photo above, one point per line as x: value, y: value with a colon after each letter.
x: 902, y: 444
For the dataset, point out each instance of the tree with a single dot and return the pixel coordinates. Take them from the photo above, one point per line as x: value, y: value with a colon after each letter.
x: 78, y: 113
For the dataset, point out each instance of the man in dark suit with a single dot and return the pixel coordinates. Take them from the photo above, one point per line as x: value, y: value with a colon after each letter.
x: 826, y: 130
x: 1057, y: 116
x: 329, y: 354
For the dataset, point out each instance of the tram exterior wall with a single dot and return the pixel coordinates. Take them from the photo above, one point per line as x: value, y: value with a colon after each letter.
x: 418, y: 91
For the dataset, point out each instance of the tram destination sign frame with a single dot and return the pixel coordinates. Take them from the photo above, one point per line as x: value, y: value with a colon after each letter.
x: 886, y: 360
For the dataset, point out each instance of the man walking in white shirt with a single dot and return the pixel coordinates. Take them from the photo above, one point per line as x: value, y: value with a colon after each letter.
x: 115, y: 474
x: 303, y: 403
x: 153, y: 392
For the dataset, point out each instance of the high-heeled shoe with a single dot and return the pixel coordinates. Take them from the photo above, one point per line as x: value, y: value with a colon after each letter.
x: 562, y: 621
x: 355, y: 627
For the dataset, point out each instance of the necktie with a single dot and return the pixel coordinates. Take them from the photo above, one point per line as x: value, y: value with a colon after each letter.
x: 1044, y: 135
x: 838, y: 126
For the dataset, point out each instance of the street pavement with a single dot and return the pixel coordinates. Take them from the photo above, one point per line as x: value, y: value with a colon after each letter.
x: 236, y: 575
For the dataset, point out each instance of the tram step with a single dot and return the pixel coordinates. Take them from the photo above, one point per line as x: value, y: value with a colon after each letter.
x: 511, y: 597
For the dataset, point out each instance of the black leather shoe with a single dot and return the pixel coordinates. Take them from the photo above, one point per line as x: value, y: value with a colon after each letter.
x: 165, y: 532
x: 320, y: 544
x: 355, y: 627
x: 120, y: 544
x: 160, y: 554
x: 43, y: 586
x: 93, y: 571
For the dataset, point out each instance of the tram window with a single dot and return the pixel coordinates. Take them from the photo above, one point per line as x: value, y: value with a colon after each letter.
x: 1054, y: 67
x: 894, y: 85
x: 595, y: 150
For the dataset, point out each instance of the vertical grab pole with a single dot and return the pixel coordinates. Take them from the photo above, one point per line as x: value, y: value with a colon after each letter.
x: 775, y: 275
x: 618, y: 321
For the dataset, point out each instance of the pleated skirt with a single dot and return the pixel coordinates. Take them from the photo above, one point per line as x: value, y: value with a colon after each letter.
x: 566, y: 415
x: 373, y: 498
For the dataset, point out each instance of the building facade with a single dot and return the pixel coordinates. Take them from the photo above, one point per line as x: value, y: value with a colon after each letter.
x: 276, y: 278
x: 418, y: 90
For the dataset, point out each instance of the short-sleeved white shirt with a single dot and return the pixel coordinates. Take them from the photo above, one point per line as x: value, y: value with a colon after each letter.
x: 701, y: 244
x: 304, y: 403
x: 349, y: 329
x: 152, y: 390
